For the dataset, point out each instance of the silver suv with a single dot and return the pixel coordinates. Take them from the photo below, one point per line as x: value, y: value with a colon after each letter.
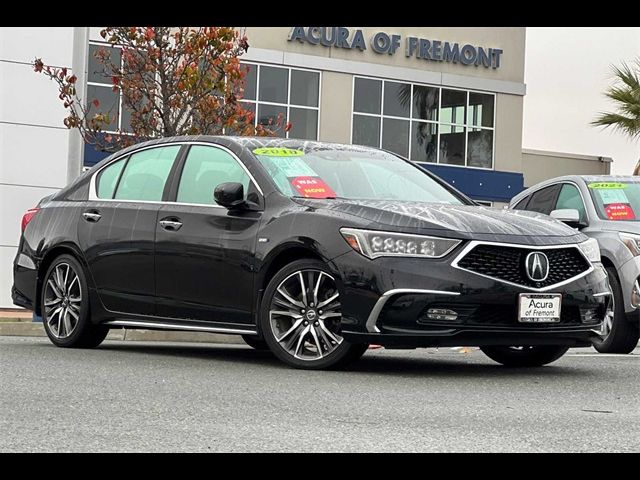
x: 606, y: 208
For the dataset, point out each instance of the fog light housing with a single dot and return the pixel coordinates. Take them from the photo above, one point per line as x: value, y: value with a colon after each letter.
x: 442, y: 314
x: 635, y: 295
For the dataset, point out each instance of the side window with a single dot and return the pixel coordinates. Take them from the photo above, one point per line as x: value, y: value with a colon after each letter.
x: 543, y: 201
x: 521, y: 205
x: 570, y: 198
x: 204, y: 169
x: 146, y: 173
x: 108, y: 178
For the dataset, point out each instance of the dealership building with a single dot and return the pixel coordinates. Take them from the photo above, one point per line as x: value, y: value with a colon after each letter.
x: 450, y: 99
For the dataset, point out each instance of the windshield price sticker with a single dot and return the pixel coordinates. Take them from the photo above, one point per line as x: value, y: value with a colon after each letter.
x: 278, y: 152
x: 607, y: 185
x: 610, y: 196
x: 312, y: 187
x: 620, y: 211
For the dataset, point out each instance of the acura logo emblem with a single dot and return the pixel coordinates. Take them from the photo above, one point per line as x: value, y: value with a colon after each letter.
x: 537, y: 266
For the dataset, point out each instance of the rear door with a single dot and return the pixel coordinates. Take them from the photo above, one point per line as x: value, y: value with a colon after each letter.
x: 117, y: 231
x: 204, y: 252
x: 544, y: 200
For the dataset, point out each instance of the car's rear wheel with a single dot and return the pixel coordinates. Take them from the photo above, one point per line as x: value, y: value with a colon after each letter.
x: 300, y: 318
x: 255, y: 342
x: 65, y: 306
x: 618, y: 334
x: 525, y: 356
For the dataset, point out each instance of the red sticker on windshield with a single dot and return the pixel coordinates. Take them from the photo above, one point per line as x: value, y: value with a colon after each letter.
x: 312, y: 187
x: 619, y: 211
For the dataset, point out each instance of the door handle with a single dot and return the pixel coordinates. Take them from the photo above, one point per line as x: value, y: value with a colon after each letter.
x: 91, y: 216
x: 171, y: 225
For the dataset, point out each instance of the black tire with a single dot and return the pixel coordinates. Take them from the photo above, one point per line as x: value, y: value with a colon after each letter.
x: 84, y: 334
x: 624, y: 335
x: 255, y: 342
x: 528, y: 356
x: 340, y: 355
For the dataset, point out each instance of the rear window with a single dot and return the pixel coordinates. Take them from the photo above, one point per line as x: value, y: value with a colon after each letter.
x: 108, y: 179
x: 146, y: 173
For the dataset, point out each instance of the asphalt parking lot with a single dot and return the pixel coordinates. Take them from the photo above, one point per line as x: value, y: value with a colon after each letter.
x: 151, y: 396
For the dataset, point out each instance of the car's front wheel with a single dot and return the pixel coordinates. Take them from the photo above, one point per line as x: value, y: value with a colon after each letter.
x: 526, y: 356
x: 65, y: 306
x: 618, y: 334
x: 300, y: 318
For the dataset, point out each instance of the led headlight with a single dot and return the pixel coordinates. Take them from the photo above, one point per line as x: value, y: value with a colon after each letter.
x: 591, y: 249
x: 632, y: 242
x: 375, y: 244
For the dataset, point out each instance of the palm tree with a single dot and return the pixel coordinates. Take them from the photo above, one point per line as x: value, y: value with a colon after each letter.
x: 625, y: 94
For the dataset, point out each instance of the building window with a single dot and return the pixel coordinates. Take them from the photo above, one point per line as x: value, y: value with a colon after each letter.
x: 99, y: 87
x: 291, y: 93
x: 424, y: 123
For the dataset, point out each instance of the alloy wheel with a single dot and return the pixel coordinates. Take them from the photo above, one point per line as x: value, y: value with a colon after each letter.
x: 305, y: 313
x: 607, y: 323
x: 62, y: 300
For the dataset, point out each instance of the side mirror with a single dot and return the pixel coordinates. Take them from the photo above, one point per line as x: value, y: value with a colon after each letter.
x: 570, y: 216
x: 229, y: 195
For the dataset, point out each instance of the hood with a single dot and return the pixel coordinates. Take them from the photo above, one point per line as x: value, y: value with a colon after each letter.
x: 619, y: 226
x: 468, y: 221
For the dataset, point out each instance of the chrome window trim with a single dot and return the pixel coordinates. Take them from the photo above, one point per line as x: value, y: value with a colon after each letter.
x: 178, y: 326
x: 93, y: 195
x: 384, y: 298
x: 475, y: 243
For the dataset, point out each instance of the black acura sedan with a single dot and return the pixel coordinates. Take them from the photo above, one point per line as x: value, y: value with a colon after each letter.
x: 312, y: 250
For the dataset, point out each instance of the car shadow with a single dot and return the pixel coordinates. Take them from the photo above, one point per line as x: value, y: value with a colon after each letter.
x: 370, y: 364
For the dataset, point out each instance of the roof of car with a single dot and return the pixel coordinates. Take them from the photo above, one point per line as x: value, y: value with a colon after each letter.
x: 251, y: 142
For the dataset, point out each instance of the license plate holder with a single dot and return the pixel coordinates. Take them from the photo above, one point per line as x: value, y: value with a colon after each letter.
x: 539, y: 307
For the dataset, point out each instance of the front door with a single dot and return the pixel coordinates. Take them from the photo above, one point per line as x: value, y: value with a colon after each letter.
x: 204, y: 252
x: 118, y: 226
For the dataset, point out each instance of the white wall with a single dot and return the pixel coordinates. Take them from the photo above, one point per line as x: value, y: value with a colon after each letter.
x: 33, y: 140
x: 567, y: 69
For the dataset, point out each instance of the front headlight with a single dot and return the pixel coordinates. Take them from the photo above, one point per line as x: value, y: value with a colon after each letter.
x: 632, y: 242
x: 373, y: 244
x: 591, y: 250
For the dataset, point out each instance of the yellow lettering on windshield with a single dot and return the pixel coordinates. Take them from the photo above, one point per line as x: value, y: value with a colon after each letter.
x: 278, y: 152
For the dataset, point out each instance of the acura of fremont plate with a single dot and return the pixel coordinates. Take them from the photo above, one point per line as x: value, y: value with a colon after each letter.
x: 539, y: 307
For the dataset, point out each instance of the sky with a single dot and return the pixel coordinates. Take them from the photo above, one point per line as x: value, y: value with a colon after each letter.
x: 567, y: 70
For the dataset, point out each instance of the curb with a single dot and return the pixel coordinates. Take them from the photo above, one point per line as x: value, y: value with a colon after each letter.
x: 31, y: 329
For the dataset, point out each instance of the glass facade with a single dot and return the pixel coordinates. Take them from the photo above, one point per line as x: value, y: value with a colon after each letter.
x: 291, y: 94
x: 424, y: 123
x: 99, y: 87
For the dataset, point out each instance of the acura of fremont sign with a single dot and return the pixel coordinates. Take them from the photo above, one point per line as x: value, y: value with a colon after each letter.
x: 383, y: 43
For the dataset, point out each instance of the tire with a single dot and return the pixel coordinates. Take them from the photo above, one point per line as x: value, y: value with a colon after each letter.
x: 527, y: 356
x: 306, y: 340
x: 65, y: 310
x: 255, y: 342
x: 622, y: 335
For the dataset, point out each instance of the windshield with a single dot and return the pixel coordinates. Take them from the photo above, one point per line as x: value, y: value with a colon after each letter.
x: 616, y: 200
x: 351, y: 174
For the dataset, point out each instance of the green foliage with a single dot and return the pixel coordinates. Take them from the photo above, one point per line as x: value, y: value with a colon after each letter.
x: 625, y: 95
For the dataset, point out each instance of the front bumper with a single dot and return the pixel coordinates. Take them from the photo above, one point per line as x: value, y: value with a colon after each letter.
x: 629, y: 274
x: 487, y: 308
